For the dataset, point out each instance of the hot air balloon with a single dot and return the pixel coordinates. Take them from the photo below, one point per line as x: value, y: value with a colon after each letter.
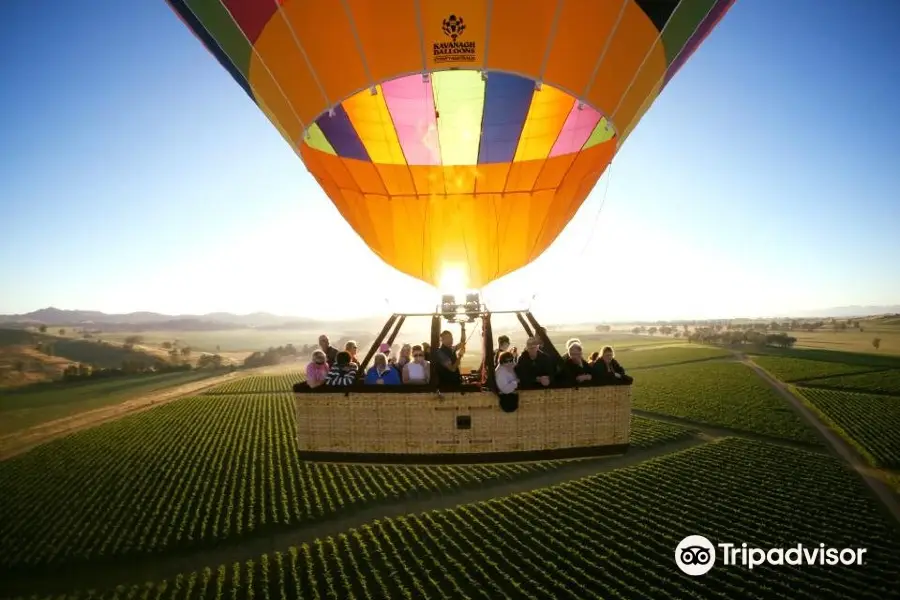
x: 458, y: 138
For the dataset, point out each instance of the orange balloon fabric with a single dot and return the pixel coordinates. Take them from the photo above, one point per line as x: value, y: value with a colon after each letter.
x: 454, y: 134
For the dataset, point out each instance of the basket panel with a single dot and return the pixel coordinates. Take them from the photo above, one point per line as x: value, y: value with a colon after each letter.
x: 425, y: 423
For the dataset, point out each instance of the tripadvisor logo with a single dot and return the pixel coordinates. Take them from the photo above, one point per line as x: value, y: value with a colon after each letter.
x: 453, y: 48
x: 695, y: 555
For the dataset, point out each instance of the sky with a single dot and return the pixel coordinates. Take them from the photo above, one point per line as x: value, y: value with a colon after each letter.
x: 136, y: 175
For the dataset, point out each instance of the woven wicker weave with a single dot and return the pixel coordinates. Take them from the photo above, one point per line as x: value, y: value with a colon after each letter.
x: 428, y: 423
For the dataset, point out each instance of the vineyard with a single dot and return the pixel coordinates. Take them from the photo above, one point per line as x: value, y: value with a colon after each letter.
x: 605, y: 536
x: 658, y: 357
x: 870, y: 422
x: 878, y: 382
x: 200, y: 471
x: 801, y: 369
x: 220, y: 470
x: 725, y: 394
x: 259, y: 384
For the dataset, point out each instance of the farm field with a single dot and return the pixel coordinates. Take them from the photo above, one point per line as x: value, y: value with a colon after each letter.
x: 870, y: 422
x: 853, y: 340
x: 789, y: 369
x: 878, y: 382
x: 25, y: 407
x: 199, y: 471
x: 658, y: 357
x: 207, y: 475
x: 609, y: 535
x: 725, y: 394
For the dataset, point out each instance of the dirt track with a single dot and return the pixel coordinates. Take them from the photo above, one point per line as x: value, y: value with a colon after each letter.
x: 841, y: 449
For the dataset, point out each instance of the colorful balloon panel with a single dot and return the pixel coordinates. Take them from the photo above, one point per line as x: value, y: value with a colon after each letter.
x: 454, y: 134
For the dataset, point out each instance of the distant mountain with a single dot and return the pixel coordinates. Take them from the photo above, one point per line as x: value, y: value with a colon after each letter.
x: 145, y: 321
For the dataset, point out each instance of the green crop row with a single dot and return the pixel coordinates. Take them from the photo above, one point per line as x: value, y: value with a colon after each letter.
x: 612, y: 535
x: 722, y: 394
x: 801, y: 369
x: 658, y: 357
x: 879, y: 382
x: 259, y: 384
x: 869, y: 421
x: 200, y: 471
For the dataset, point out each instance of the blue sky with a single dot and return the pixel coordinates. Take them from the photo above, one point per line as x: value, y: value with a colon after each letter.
x: 136, y: 175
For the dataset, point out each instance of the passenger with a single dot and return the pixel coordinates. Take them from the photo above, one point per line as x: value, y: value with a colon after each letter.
x: 569, y: 342
x: 418, y: 370
x: 535, y: 368
x: 343, y: 371
x: 317, y: 369
x: 385, y: 348
x: 405, y: 356
x: 448, y: 359
x: 352, y: 348
x: 575, y: 369
x: 595, y: 356
x: 426, y: 348
x: 507, y: 380
x: 502, y: 346
x: 381, y: 373
x: 329, y: 350
x: 607, y: 369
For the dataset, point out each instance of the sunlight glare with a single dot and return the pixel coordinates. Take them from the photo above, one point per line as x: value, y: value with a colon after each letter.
x: 453, y: 279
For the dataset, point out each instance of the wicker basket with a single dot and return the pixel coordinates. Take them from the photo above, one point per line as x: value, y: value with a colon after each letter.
x: 428, y: 423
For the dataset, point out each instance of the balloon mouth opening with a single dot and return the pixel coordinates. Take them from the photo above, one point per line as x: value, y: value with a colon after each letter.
x: 458, y: 118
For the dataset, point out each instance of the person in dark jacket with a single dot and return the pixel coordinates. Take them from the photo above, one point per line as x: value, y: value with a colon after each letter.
x: 343, y: 372
x: 534, y: 368
x: 447, y: 358
x: 503, y: 346
x: 608, y: 371
x: 575, y: 369
x: 329, y: 350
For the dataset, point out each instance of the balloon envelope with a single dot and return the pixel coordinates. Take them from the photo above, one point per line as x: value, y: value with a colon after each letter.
x: 454, y: 136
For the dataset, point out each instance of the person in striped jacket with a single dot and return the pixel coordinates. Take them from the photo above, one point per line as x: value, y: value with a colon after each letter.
x: 343, y: 371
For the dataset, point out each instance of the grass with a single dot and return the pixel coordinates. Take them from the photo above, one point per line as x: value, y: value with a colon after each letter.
x: 852, y: 341
x: 870, y: 423
x: 722, y: 394
x: 21, y: 408
x: 879, y: 382
x: 611, y: 535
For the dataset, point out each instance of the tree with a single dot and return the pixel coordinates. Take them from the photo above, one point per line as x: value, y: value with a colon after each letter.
x: 636, y: 330
x: 186, y: 352
x: 652, y: 330
x: 167, y: 345
x: 876, y: 342
x: 19, y: 366
x: 603, y: 328
x: 62, y: 332
x: 42, y: 329
x: 134, y: 339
